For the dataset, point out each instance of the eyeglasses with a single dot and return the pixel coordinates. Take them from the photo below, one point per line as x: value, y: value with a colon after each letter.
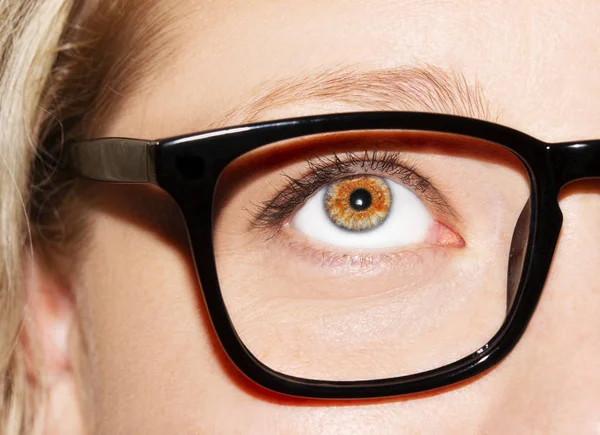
x: 360, y: 255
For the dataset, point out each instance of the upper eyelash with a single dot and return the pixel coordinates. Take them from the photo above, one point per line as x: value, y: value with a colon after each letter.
x: 324, y: 170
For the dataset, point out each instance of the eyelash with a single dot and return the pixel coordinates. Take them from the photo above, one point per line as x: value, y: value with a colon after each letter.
x: 325, y: 170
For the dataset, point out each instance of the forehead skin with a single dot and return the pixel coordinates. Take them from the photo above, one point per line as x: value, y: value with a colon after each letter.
x: 536, y: 61
x: 155, y: 365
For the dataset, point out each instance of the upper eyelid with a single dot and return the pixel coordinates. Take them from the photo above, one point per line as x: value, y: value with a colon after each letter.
x: 299, y: 189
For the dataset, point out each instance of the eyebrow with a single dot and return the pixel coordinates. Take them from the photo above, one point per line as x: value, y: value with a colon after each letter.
x: 425, y: 88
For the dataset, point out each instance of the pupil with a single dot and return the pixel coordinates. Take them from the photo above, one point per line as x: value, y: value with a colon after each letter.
x: 360, y: 199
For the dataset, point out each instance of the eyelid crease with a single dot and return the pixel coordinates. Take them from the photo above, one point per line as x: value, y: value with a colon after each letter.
x: 327, y: 169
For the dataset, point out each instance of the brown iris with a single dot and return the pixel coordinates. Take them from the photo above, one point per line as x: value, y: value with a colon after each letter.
x: 358, y: 203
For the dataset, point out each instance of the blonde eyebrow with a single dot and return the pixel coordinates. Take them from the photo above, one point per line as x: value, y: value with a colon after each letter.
x: 423, y: 89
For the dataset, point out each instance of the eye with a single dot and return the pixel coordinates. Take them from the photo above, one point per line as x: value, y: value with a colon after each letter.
x: 365, y: 212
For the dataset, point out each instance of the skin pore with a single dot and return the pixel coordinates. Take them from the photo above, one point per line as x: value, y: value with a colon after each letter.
x: 143, y: 355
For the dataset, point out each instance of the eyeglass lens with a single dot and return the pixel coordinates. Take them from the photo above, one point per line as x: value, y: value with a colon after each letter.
x: 370, y: 254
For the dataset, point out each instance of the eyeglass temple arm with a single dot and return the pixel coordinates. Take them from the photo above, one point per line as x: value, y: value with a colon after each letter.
x: 116, y: 160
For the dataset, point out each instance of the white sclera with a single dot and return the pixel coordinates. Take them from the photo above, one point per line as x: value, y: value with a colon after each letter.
x: 408, y: 222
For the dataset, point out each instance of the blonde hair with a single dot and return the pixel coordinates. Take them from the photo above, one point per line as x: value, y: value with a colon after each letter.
x: 62, y: 64
x: 30, y: 31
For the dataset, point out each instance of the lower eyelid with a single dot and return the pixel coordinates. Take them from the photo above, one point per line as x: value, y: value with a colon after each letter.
x: 373, y: 262
x: 344, y: 263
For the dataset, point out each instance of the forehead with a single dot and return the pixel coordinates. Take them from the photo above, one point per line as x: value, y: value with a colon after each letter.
x: 535, y: 61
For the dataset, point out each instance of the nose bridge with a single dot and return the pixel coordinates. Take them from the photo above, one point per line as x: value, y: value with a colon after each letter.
x: 572, y: 161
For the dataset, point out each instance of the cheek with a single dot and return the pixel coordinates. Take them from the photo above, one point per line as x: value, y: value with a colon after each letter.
x: 150, y: 356
x: 141, y: 321
x: 151, y: 363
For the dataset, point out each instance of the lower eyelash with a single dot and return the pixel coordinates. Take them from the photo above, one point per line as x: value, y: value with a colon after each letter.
x: 358, y: 264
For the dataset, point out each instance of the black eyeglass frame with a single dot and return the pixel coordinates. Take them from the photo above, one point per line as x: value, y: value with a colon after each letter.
x: 188, y: 168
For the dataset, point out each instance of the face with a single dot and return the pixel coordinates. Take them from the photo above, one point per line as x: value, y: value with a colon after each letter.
x: 151, y: 362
